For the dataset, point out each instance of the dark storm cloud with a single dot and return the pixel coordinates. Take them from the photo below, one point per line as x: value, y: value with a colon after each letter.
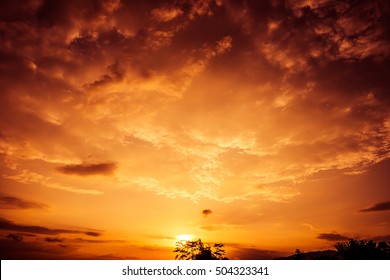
x: 206, y: 212
x: 7, y: 225
x: 382, y: 206
x: 332, y: 237
x: 12, y: 202
x: 86, y: 169
x: 335, y: 30
x: 329, y: 43
x: 53, y: 13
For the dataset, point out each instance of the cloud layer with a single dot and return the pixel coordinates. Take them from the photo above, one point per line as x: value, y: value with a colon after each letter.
x: 100, y: 80
x: 108, y: 107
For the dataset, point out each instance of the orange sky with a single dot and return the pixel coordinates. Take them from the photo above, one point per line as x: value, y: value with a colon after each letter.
x: 264, y: 125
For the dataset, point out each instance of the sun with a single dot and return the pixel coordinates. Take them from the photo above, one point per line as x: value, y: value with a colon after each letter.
x: 184, y: 237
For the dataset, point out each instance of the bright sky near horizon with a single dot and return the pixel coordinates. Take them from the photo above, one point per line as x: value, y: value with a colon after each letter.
x: 264, y: 125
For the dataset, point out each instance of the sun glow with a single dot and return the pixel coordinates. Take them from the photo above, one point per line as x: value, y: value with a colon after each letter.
x: 184, y: 237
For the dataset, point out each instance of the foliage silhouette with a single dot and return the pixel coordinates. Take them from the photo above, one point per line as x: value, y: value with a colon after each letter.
x: 349, y: 250
x: 299, y: 255
x: 363, y: 250
x: 197, y: 250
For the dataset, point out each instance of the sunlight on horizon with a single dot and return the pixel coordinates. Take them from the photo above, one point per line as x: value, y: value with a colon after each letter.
x: 184, y: 237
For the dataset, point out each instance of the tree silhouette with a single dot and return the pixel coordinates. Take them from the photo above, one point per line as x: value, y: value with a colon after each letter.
x: 299, y: 255
x: 363, y: 250
x: 350, y: 250
x: 197, y: 250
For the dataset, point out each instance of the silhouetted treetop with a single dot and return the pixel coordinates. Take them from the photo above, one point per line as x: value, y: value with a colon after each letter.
x: 363, y: 250
x: 197, y: 250
x: 349, y: 250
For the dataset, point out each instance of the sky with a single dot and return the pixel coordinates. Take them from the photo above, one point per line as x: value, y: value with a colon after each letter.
x: 263, y: 125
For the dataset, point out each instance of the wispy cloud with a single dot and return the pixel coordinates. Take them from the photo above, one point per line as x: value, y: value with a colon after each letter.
x: 12, y: 202
x: 381, y: 206
x: 332, y: 237
x: 33, y: 178
x: 83, y: 240
x: 87, y: 169
x: 7, y: 225
x: 218, y: 227
x: 310, y: 226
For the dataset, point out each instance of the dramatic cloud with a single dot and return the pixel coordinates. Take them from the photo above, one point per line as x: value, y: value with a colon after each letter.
x: 10, y: 226
x: 258, y: 110
x: 11, y: 202
x: 332, y: 237
x: 233, y: 105
x: 206, y: 212
x: 86, y: 169
x: 382, y: 206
